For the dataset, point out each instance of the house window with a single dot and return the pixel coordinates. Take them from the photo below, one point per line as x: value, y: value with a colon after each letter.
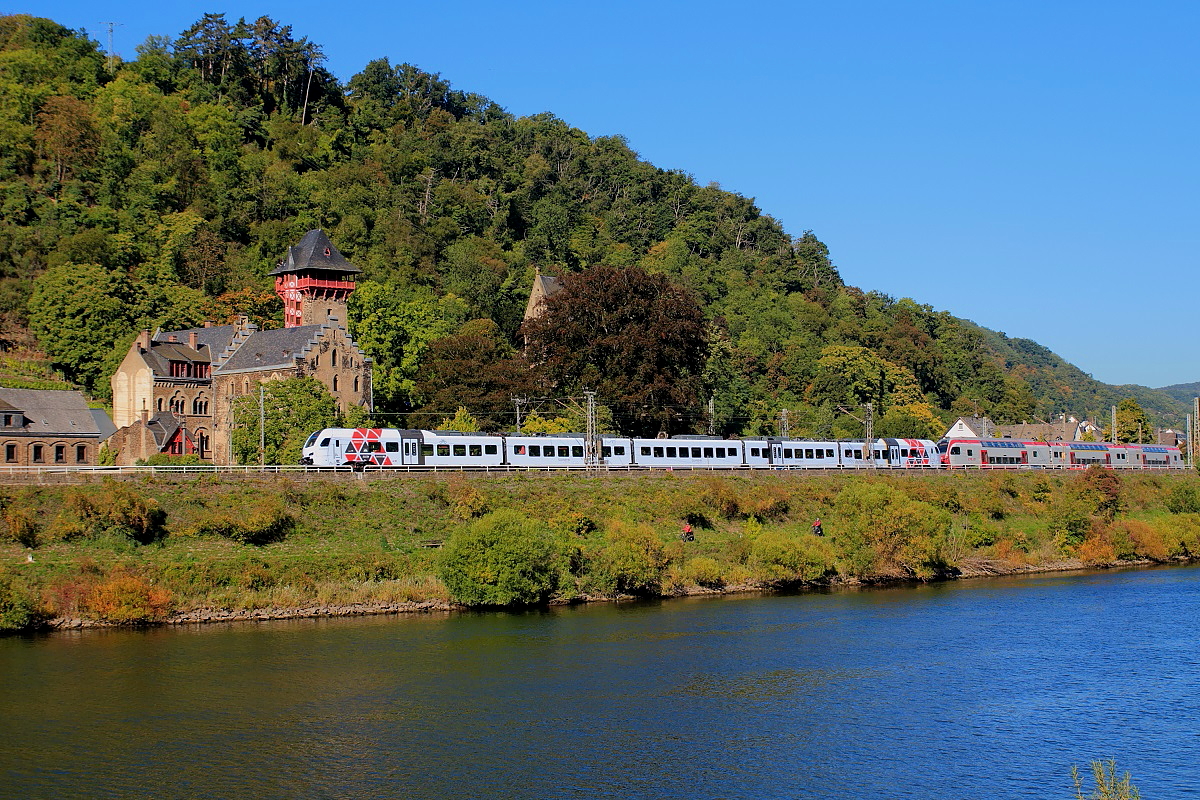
x: 60, y: 453
x: 335, y: 383
x: 160, y: 404
x: 10, y: 453
x: 38, y: 458
x: 200, y: 406
x: 333, y: 358
x: 80, y: 453
x: 356, y: 383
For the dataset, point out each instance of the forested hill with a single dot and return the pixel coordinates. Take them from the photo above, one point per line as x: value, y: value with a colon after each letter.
x: 1060, y: 385
x: 161, y: 191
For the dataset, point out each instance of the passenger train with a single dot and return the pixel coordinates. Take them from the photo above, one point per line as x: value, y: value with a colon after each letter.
x: 389, y: 447
x: 417, y: 449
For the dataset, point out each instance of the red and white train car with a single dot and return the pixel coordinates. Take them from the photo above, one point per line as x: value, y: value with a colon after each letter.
x: 1018, y: 454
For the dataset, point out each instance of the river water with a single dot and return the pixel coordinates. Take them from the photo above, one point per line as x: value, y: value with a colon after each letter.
x: 976, y: 689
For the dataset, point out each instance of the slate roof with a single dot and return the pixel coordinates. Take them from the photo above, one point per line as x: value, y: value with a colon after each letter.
x: 103, y: 423
x: 217, y: 338
x: 274, y: 348
x: 315, y: 252
x: 162, y: 427
x: 161, y: 354
x: 52, y: 411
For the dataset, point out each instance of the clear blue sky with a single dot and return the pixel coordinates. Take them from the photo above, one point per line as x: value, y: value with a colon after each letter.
x: 1030, y: 165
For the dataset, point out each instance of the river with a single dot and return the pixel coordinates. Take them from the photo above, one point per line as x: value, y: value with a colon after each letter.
x: 986, y: 688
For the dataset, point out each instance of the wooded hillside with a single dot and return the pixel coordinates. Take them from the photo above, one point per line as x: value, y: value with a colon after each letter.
x: 161, y: 191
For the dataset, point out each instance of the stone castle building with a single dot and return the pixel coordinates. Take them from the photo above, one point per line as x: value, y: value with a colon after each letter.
x: 174, y: 391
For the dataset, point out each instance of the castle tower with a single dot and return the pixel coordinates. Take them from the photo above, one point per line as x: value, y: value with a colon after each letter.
x: 314, y: 282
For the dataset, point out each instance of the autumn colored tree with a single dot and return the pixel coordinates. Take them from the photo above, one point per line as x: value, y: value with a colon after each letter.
x: 635, y: 338
x: 67, y: 134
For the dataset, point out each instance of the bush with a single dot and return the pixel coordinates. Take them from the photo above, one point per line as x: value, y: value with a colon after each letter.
x: 17, y: 609
x: 629, y: 560
x: 880, y: 531
x: 258, y: 523
x: 22, y: 527
x: 703, y: 571
x: 115, y: 508
x: 127, y: 598
x: 1184, y: 498
x: 502, y: 559
x: 779, y: 558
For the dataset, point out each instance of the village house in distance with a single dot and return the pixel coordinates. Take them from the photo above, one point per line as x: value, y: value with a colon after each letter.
x: 174, y: 391
x: 48, y: 427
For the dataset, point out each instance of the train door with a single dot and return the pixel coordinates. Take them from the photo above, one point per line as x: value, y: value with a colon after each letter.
x: 893, y: 453
x: 776, y: 451
x: 410, y: 448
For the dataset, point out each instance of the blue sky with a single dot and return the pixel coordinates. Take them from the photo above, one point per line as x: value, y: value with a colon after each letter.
x: 1027, y: 165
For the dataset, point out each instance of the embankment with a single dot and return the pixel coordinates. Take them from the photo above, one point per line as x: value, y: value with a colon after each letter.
x: 206, y: 549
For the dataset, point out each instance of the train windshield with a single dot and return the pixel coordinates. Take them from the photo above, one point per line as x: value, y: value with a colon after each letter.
x: 312, y: 439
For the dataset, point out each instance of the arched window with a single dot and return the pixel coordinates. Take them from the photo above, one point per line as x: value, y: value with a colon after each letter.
x: 160, y: 404
x: 177, y: 404
x: 333, y: 358
x: 356, y: 383
x: 200, y: 405
x: 202, y: 443
x: 335, y: 383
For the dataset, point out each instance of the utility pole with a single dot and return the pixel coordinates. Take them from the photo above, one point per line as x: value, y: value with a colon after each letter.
x: 262, y: 426
x: 784, y: 432
x: 869, y: 433
x: 591, y: 448
x: 518, y: 402
x: 1113, y: 430
x: 712, y: 415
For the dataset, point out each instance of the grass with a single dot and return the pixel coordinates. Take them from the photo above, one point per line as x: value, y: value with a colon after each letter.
x: 139, y: 550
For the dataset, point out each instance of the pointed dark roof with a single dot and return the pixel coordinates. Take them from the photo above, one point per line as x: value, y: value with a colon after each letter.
x: 216, y: 338
x: 315, y: 252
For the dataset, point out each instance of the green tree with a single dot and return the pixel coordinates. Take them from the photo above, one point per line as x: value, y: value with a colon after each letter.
x: 77, y: 312
x: 502, y: 559
x: 1133, y: 425
x: 292, y: 410
x: 1107, y: 785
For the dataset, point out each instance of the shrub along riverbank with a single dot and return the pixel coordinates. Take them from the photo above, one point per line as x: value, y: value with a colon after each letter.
x: 154, y: 550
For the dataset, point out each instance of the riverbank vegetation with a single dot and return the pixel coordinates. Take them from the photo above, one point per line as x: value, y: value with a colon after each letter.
x: 147, y: 550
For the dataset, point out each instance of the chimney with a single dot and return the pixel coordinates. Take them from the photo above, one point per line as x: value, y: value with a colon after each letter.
x: 192, y: 340
x: 208, y: 323
x: 173, y: 338
x: 143, y: 339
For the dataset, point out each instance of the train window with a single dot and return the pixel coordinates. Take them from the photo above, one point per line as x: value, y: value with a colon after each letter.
x: 606, y: 452
x: 820, y: 453
x: 443, y: 449
x: 374, y: 447
x: 391, y: 447
x: 754, y: 451
x: 658, y: 452
x: 970, y: 452
x: 460, y: 449
x: 904, y: 453
x: 733, y: 452
x: 787, y: 452
x: 535, y: 450
x: 325, y: 442
x: 808, y: 453
x: 858, y: 453
x: 576, y: 452
x: 645, y: 451
x: 829, y: 453
x: 671, y: 452
x: 695, y: 452
x: 489, y: 449
x: 720, y: 452
x: 475, y: 449
x: 426, y: 449
x: 519, y: 450
x: 708, y: 452
x: 565, y: 452
x: 619, y: 450
x: 954, y: 451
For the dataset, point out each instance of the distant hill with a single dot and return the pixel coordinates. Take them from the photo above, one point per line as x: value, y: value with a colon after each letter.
x: 1062, y: 387
x: 1183, y: 392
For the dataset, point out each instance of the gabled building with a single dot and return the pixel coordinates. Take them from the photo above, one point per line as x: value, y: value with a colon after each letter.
x: 196, y: 375
x: 971, y: 428
x: 47, y: 427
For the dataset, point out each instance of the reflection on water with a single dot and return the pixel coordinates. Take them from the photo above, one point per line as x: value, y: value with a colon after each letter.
x: 978, y: 689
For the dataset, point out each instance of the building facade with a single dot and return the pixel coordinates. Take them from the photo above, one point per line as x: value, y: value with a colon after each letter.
x: 195, y: 376
x: 46, y: 427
